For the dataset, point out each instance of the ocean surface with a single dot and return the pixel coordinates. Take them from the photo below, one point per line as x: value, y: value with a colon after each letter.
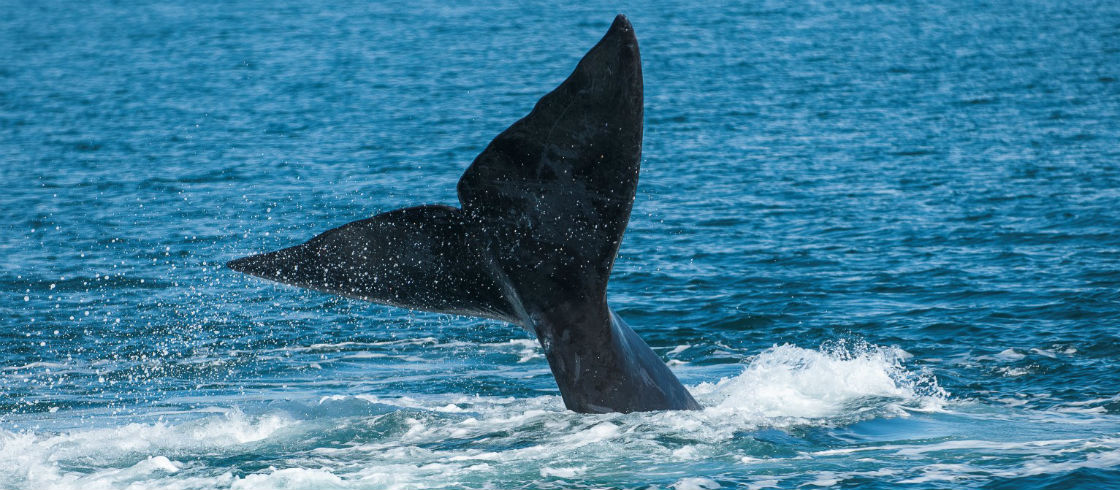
x: 878, y: 241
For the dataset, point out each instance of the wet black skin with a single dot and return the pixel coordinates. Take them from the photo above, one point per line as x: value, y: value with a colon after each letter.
x: 543, y: 211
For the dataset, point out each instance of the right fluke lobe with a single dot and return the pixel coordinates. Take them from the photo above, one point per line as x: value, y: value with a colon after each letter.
x: 560, y: 182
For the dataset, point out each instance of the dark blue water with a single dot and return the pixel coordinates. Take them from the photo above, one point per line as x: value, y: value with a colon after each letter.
x: 880, y: 243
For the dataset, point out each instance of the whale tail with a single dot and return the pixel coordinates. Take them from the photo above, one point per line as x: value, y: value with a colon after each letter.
x: 544, y: 207
x: 543, y: 210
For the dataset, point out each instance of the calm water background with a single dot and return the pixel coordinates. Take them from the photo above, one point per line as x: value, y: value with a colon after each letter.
x: 879, y: 241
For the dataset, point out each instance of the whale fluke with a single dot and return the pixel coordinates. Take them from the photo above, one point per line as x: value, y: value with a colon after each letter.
x: 543, y: 211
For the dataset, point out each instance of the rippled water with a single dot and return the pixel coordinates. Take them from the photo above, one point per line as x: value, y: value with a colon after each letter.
x: 879, y: 242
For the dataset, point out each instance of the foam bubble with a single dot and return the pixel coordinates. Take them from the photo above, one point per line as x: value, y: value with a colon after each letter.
x: 128, y: 454
x: 597, y: 433
x: 787, y: 381
x: 294, y: 478
x: 696, y: 484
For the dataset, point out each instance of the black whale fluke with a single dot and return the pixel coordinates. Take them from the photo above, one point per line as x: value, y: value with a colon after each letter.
x: 543, y: 210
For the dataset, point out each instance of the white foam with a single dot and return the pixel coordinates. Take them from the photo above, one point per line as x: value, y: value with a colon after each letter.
x: 696, y: 484
x: 787, y: 381
x: 162, y: 463
x: 470, y: 441
x: 130, y: 453
x: 294, y: 478
x: 824, y: 479
x: 597, y: 433
x: 761, y: 484
x: 1013, y: 372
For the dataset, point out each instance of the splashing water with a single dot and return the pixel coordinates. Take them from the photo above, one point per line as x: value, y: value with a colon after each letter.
x: 789, y: 382
x: 365, y: 441
x: 935, y: 183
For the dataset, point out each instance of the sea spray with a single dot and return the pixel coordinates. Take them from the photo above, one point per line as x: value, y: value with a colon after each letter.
x: 791, y: 382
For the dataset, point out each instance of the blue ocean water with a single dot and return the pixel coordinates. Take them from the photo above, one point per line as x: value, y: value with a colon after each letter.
x: 878, y: 241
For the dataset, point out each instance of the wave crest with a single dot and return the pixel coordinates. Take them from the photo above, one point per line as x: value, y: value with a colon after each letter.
x: 841, y: 379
